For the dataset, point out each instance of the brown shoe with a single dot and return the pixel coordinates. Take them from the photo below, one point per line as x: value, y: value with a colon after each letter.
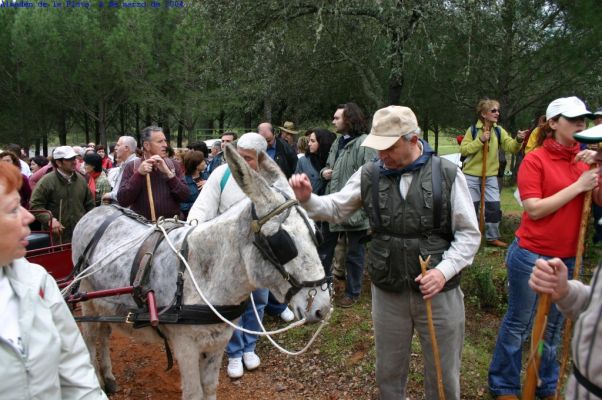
x: 497, y: 243
x: 346, y: 302
x: 506, y: 397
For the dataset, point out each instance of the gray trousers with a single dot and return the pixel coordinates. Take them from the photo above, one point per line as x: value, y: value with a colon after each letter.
x: 492, y: 203
x: 395, y: 317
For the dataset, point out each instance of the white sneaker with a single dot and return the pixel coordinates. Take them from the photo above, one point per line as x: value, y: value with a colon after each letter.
x: 235, y: 369
x: 287, y: 315
x: 251, y: 360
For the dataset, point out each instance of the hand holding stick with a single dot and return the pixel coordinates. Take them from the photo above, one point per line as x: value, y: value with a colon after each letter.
x: 429, y: 314
x: 151, y: 202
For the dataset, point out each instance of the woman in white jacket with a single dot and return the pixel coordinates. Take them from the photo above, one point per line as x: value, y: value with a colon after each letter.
x: 42, y: 353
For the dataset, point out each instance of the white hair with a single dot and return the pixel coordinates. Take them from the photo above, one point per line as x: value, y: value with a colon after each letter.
x: 408, y: 136
x: 130, y: 142
x: 252, y: 141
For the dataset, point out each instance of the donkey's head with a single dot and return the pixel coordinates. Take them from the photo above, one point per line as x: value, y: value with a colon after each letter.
x: 285, y: 256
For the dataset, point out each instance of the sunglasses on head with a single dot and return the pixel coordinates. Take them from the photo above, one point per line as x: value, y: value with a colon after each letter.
x: 494, y: 110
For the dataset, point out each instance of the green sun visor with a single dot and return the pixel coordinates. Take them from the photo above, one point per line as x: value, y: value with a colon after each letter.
x: 591, y: 135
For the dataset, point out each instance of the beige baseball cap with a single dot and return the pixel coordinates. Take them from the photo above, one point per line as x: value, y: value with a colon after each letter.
x: 388, y: 125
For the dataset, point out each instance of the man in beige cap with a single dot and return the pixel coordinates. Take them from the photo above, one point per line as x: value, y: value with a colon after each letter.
x: 418, y: 205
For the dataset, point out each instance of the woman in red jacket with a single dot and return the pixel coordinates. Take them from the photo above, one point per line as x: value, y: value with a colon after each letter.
x: 552, y: 183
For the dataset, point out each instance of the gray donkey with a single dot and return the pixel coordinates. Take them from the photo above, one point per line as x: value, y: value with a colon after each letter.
x: 225, y: 262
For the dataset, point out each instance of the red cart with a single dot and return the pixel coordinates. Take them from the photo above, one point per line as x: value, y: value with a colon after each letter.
x: 55, y: 258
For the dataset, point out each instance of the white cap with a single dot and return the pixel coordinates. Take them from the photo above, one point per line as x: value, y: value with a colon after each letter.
x: 252, y: 141
x: 570, y: 107
x: 63, y: 152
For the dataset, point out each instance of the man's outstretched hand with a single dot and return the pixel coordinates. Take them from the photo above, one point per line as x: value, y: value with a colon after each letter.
x: 301, y: 186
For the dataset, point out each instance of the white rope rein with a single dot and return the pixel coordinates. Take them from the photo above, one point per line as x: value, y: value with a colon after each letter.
x: 260, y: 333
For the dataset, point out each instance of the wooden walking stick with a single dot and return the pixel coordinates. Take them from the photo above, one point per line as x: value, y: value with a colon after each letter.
x: 536, y: 348
x: 429, y: 315
x: 486, y: 128
x: 60, y: 219
x: 151, y: 202
x: 568, y: 323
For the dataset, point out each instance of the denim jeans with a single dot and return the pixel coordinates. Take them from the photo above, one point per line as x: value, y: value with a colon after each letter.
x: 245, y: 342
x: 505, y: 368
x: 274, y: 307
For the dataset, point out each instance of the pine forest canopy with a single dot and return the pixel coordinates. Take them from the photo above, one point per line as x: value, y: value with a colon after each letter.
x: 106, y: 71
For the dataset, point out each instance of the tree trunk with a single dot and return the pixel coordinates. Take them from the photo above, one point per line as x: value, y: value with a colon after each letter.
x: 38, y: 146
x: 164, y: 123
x: 122, y: 119
x: 425, y: 126
x: 138, y: 125
x: 63, y: 129
x: 221, y: 120
x: 102, y: 126
x: 395, y: 86
x: 96, y: 131
x: 87, y: 127
x: 248, y: 119
x: 436, y: 132
x: 148, y: 120
x: 180, y: 132
x: 45, y: 144
x: 267, y: 110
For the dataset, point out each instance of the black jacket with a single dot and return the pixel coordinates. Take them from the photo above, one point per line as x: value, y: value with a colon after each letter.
x: 285, y: 157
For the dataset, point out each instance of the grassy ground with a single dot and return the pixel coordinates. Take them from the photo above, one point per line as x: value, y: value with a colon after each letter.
x: 344, y: 354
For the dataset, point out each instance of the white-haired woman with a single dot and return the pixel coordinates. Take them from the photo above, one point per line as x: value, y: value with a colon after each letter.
x: 42, y: 353
x: 219, y: 193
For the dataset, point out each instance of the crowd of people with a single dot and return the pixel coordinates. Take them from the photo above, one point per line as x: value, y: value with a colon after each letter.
x: 382, y: 185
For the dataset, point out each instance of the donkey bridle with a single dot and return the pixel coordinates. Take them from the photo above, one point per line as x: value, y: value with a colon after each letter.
x: 279, y: 248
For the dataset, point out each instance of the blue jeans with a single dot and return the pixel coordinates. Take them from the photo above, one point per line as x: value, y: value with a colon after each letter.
x: 505, y: 368
x: 244, y: 342
x: 274, y: 307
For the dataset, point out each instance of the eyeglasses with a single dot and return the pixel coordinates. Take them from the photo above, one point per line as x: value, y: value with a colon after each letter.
x: 574, y: 119
x: 494, y: 111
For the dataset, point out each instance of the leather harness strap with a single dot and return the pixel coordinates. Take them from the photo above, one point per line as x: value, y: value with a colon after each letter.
x: 141, y: 267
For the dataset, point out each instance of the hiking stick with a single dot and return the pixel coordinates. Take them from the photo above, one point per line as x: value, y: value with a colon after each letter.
x: 536, y: 349
x: 60, y: 219
x: 429, y: 315
x: 151, y: 202
x: 568, y: 323
x: 483, y: 181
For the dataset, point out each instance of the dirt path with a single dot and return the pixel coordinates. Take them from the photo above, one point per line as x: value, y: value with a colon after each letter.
x: 140, y: 372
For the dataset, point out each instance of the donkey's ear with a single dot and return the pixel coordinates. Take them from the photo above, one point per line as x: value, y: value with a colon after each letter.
x: 269, y: 169
x: 273, y: 174
x: 249, y: 181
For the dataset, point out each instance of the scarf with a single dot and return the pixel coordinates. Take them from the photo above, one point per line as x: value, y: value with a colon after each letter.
x: 560, y: 150
x: 427, y: 153
x: 92, y: 181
